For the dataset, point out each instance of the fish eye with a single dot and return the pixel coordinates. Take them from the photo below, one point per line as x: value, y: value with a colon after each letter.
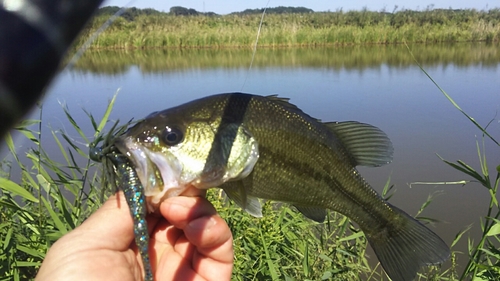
x: 172, y: 136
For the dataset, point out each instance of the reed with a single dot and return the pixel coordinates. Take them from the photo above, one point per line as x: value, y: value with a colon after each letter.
x: 162, y: 30
x: 45, y: 199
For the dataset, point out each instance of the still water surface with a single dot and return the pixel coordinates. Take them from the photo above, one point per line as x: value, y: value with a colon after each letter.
x: 380, y: 85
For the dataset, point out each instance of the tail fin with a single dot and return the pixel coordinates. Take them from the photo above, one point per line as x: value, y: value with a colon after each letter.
x: 404, y: 249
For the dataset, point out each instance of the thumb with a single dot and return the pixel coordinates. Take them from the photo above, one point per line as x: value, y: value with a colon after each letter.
x: 111, y: 226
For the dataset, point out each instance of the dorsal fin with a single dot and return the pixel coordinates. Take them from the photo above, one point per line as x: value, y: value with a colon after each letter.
x: 367, y: 144
x: 285, y: 102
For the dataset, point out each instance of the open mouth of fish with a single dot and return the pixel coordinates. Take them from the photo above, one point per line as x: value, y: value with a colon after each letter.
x: 159, y: 173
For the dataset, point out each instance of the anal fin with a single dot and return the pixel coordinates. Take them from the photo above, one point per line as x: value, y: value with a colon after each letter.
x: 314, y: 213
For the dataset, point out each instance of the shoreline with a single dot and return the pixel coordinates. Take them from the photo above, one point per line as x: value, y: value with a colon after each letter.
x: 295, y: 30
x: 284, y: 46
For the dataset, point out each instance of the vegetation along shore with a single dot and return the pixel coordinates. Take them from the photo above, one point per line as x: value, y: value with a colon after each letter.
x: 287, y: 26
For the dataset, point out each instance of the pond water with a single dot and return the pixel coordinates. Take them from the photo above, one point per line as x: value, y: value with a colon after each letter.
x: 379, y: 85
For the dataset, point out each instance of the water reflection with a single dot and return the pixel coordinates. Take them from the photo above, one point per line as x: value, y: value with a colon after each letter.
x: 112, y: 62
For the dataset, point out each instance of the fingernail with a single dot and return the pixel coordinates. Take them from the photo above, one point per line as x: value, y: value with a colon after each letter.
x: 202, y: 224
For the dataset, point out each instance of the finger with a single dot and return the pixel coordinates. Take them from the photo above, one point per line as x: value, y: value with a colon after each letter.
x: 178, y: 212
x: 213, y: 258
x: 199, y: 220
x: 181, y: 210
x: 203, y: 228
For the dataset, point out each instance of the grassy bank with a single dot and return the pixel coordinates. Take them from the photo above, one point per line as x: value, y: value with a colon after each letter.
x: 164, y: 30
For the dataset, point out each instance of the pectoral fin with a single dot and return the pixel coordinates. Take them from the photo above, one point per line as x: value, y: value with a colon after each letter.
x: 236, y: 192
x: 314, y: 213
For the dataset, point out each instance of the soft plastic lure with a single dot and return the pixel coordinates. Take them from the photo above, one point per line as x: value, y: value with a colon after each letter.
x: 127, y: 180
x: 134, y: 193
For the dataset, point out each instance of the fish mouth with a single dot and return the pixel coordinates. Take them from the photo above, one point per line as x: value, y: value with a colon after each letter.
x: 159, y: 173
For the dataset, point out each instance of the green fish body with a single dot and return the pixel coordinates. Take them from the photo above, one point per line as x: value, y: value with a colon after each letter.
x: 264, y: 147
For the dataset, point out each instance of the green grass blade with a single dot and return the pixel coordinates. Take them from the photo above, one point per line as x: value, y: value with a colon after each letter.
x: 57, y: 221
x: 494, y: 230
x: 460, y: 234
x: 28, y: 264
x: 427, y: 202
x: 30, y: 251
x: 92, y: 119
x: 74, y: 124
x: 16, y: 189
x: 60, y: 146
x: 473, y: 174
x: 352, y: 236
x: 29, y: 135
x: 482, y: 159
x: 10, y: 144
x: 387, y: 191
x: 493, y: 197
x: 105, y: 118
x: 73, y: 145
x: 270, y: 264
x: 64, y: 207
x: 7, y: 240
x: 305, y: 261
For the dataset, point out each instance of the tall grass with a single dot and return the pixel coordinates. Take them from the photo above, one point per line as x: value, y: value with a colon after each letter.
x: 284, y: 245
x: 47, y: 199
x: 321, y: 28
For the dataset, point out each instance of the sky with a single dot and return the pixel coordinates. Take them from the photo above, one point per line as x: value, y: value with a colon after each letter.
x: 225, y: 7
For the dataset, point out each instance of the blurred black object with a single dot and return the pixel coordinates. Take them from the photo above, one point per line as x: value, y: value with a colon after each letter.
x: 34, y: 36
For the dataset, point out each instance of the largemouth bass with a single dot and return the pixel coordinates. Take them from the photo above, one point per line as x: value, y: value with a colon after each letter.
x: 264, y: 147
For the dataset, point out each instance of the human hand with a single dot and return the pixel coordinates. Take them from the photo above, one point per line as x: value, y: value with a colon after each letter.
x: 189, y: 242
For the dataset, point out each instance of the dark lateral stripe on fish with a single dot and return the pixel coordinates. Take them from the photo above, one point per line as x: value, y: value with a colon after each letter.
x: 234, y: 112
x: 300, y: 168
